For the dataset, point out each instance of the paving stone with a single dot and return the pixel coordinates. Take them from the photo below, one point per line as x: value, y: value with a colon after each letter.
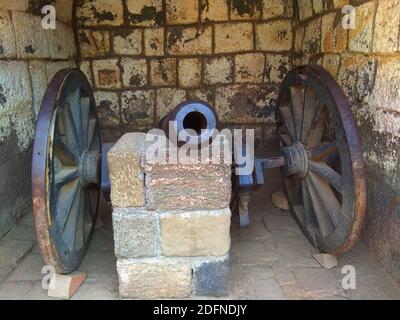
x: 251, y: 252
x: 99, y: 265
x: 21, y: 232
x: 16, y: 290
x: 212, y: 278
x: 29, y: 270
x: 255, y: 231
x: 4, y: 272
x: 316, y: 281
x: 12, y: 251
x: 98, y: 289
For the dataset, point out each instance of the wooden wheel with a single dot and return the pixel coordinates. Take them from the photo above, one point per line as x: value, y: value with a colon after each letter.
x: 324, y: 175
x: 66, y: 170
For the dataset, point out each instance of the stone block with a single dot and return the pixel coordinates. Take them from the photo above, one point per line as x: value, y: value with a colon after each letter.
x: 340, y: 3
x: 276, y: 67
x: 334, y: 36
x: 207, y: 95
x: 182, y: 12
x: 61, y: 42
x: 249, y: 67
x: 135, y: 233
x: 233, y: 37
x: 134, y: 72
x: 328, y: 261
x: 218, y: 70
x: 38, y: 74
x: 274, y: 36
x: 167, y: 100
x: 108, y: 108
x: 305, y: 9
x: 195, y: 233
x: 21, y: 5
x: 277, y: 8
x: 319, y: 6
x: 100, y: 13
x: 246, y: 103
x: 64, y: 10
x: 312, y: 37
x: 15, y: 87
x: 107, y: 74
x: 128, y: 42
x: 31, y: 39
x: 152, y: 279
x: 86, y: 67
x: 189, y: 40
x: 189, y: 71
x: 387, y: 21
x: 360, y: 39
x: 187, y: 186
x: 211, y: 278
x: 246, y: 10
x: 154, y: 42
x: 147, y: 13
x: 126, y: 175
x: 214, y: 10
x: 94, y: 43
x: 163, y: 72
x: 138, y: 108
x: 53, y: 67
x: 7, y: 36
x: 331, y: 63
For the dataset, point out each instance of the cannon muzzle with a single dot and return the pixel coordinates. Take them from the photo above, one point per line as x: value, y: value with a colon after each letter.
x: 191, y: 122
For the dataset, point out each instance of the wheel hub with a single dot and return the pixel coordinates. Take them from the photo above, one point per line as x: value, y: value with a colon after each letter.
x: 89, y: 168
x: 296, y: 160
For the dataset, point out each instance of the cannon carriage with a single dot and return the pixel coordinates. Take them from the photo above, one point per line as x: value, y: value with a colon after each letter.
x: 320, y: 159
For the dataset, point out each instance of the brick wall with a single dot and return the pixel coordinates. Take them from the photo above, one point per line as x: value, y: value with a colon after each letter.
x: 29, y: 57
x: 145, y: 56
x: 366, y: 62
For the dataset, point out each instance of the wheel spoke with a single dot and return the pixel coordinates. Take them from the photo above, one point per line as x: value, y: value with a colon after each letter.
x: 63, y: 153
x: 66, y: 199
x: 73, y: 140
x: 286, y: 141
x: 91, y: 132
x: 65, y: 176
x: 327, y: 173
x: 288, y: 122
x: 80, y: 222
x: 328, y: 199
x: 69, y: 234
x: 309, y: 218
x: 324, y: 150
x: 297, y: 101
x: 318, y: 129
x: 322, y: 217
x: 85, y: 102
x: 311, y: 107
x: 74, y: 100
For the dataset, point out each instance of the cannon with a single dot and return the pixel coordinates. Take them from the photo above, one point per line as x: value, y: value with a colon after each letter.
x: 320, y: 159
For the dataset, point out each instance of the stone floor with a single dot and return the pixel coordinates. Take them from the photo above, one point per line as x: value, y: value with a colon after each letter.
x: 270, y: 260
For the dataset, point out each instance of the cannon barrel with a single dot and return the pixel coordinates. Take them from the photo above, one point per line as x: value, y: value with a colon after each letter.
x: 192, y: 122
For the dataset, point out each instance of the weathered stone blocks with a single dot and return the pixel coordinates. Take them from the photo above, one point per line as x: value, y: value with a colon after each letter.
x: 7, y: 37
x: 107, y: 74
x: 135, y: 233
x: 154, y: 42
x: 134, y: 72
x: 182, y: 12
x: 189, y: 73
x: 274, y: 36
x: 194, y: 187
x: 138, y: 108
x: 249, y: 67
x: 211, y: 278
x: 163, y: 72
x: 360, y: 39
x: 233, y: 37
x: 100, y: 13
x: 189, y: 40
x: 128, y: 42
x: 387, y: 21
x: 126, y: 175
x: 195, y: 234
x: 147, y: 13
x: 155, y: 278
x: 214, y: 10
x: 218, y: 70
x: 108, y: 108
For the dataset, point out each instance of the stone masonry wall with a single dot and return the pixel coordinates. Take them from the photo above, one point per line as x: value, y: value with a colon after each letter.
x: 146, y: 56
x: 366, y: 62
x: 29, y: 57
x: 171, y: 223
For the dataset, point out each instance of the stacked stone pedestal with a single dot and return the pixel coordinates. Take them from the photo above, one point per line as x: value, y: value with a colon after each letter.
x: 171, y: 223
